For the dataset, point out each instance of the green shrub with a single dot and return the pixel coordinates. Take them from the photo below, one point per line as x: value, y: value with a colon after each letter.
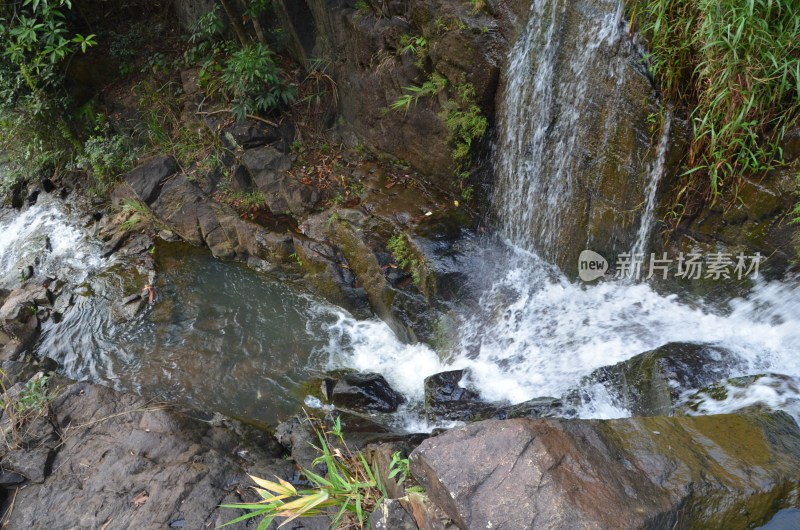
x: 465, y: 123
x: 108, y: 156
x: 431, y: 87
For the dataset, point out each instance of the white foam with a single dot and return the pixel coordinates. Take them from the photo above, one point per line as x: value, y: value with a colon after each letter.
x: 23, y: 238
x: 538, y: 335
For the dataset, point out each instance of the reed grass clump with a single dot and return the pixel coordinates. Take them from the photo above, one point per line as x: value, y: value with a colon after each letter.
x: 734, y: 65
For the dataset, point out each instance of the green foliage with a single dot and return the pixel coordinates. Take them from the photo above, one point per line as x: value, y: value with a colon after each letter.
x: 416, y: 45
x: 164, y: 131
x: 433, y: 86
x: 246, y: 75
x: 33, y: 398
x: 30, y: 145
x: 735, y: 65
x: 479, y: 6
x: 35, y: 39
x: 349, y: 487
x: 405, y: 257
x: 138, y: 213
x: 108, y: 156
x: 465, y: 122
x: 398, y: 467
x: 252, y: 80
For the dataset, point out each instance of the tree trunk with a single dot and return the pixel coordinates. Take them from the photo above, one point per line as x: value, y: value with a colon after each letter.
x: 235, y: 22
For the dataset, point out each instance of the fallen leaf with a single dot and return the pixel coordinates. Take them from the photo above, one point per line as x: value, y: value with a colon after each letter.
x: 140, y: 499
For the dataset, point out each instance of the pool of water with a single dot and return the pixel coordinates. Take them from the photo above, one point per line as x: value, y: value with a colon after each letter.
x: 219, y: 337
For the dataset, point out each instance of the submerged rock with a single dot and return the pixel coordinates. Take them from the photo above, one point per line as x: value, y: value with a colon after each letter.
x: 728, y: 471
x: 762, y: 391
x: 446, y: 400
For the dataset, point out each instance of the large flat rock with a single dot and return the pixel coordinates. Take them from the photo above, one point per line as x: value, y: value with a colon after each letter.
x: 728, y: 471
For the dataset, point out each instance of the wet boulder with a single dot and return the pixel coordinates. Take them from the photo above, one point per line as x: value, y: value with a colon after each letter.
x: 725, y: 471
x: 369, y: 392
x: 651, y: 383
x: 446, y: 400
x: 329, y: 273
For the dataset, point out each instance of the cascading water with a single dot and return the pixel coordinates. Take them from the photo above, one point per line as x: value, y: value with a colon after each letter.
x: 656, y: 174
x: 48, y: 239
x: 559, y: 126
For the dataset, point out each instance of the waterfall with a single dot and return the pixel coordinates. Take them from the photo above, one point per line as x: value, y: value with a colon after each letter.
x: 563, y: 116
x: 656, y: 174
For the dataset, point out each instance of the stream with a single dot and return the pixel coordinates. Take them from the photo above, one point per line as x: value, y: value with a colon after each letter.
x: 222, y: 337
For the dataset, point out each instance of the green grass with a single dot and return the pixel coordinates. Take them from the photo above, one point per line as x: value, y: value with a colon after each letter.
x: 349, y: 490
x: 734, y: 65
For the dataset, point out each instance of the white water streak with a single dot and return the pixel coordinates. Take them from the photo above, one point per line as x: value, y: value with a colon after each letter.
x: 656, y: 174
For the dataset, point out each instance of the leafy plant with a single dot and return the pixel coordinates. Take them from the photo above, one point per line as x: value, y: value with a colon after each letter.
x: 34, y: 41
x: 108, y: 156
x: 416, y: 45
x: 479, y: 6
x: 349, y: 487
x: 138, y: 211
x: 405, y: 257
x: 465, y: 122
x: 252, y: 80
x: 735, y: 66
x: 398, y: 467
x: 434, y: 85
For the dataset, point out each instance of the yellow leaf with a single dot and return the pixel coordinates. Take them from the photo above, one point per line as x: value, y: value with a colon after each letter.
x: 309, y: 503
x: 287, y: 485
x: 271, y: 486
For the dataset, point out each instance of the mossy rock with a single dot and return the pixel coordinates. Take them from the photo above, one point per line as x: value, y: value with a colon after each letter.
x: 651, y: 383
x: 760, y: 391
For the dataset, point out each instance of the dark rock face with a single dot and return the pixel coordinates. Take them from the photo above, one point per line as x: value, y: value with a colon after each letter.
x: 362, y: 46
x: 650, y: 383
x: 267, y: 167
x: 127, y: 461
x: 251, y: 134
x: 366, y: 392
x: 390, y: 515
x: 729, y: 471
x: 146, y: 180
